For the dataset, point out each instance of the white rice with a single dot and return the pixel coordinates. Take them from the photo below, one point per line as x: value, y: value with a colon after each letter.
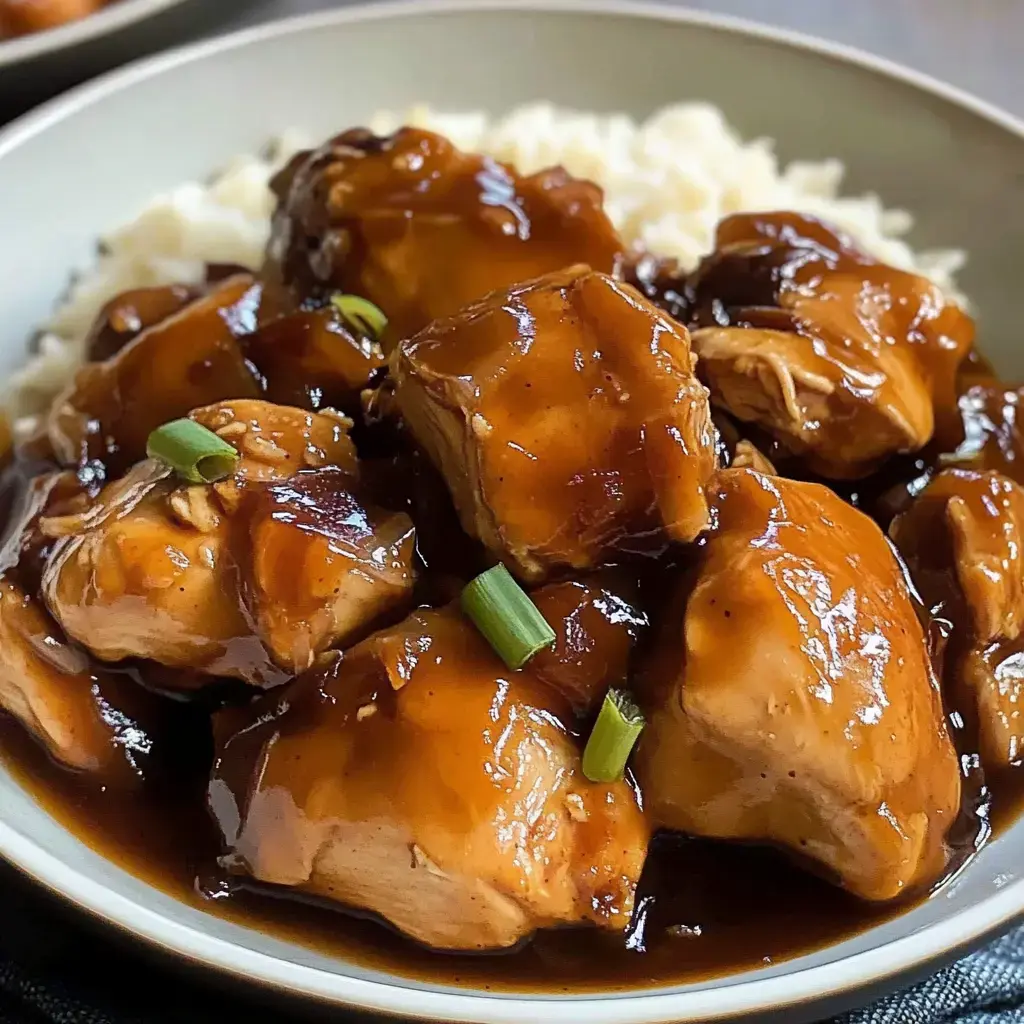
x: 667, y: 183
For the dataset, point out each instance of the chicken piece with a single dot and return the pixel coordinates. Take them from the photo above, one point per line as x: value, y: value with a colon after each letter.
x: 747, y: 456
x: 87, y: 720
x: 128, y: 578
x: 276, y: 441
x: 843, y: 359
x: 325, y: 565
x: 250, y: 577
x: 795, y: 702
x: 662, y: 281
x: 566, y: 420
x: 312, y: 360
x: 421, y: 229
x: 596, y: 628
x: 182, y: 362
x: 127, y: 315
x: 963, y: 540
x: 991, y: 435
x: 49, y: 687
x: 416, y: 778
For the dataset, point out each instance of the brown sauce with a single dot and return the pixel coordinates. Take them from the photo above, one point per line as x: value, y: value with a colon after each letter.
x: 705, y: 909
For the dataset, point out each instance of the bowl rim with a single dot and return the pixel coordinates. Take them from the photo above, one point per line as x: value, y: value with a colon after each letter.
x: 725, y: 998
x: 105, y: 21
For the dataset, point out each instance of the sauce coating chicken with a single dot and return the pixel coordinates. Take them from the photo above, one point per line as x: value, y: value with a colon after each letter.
x: 566, y: 420
x: 421, y: 229
x: 127, y: 315
x: 793, y: 701
x: 843, y: 359
x: 249, y: 577
x: 87, y: 719
x: 311, y: 359
x: 415, y: 777
x: 596, y: 629
x: 182, y: 362
x: 991, y: 431
x: 963, y: 540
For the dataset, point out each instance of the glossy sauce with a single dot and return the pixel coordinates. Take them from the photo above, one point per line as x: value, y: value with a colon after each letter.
x: 421, y: 229
x: 730, y: 907
x: 704, y: 908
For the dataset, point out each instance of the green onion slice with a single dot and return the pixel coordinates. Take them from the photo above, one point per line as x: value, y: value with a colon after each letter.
x: 196, y: 454
x: 616, y: 731
x: 361, y: 314
x: 506, y: 616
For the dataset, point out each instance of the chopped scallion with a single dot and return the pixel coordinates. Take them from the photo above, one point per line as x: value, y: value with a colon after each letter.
x: 616, y: 731
x: 196, y: 454
x: 506, y: 616
x: 361, y: 314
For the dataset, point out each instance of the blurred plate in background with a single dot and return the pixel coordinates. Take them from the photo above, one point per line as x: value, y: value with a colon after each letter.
x: 37, y: 66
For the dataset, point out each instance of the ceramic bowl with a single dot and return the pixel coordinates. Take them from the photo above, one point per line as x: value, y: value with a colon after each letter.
x: 91, y: 158
x: 75, y: 33
x: 37, y: 66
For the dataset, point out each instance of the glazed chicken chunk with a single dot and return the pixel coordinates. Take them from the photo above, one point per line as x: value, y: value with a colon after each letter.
x: 312, y: 359
x: 792, y: 699
x: 596, y: 629
x: 181, y: 362
x: 416, y: 778
x: 249, y: 577
x: 128, y: 314
x: 844, y: 360
x: 566, y: 419
x: 421, y: 229
x: 991, y: 417
x: 86, y: 719
x: 963, y: 540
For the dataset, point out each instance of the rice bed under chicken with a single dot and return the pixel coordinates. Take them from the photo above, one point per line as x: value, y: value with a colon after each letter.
x: 667, y: 182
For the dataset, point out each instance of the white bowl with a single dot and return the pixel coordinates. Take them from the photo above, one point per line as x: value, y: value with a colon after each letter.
x: 90, y: 159
x: 107, y: 20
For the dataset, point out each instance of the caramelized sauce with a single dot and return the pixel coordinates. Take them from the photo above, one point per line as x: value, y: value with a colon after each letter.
x: 704, y: 909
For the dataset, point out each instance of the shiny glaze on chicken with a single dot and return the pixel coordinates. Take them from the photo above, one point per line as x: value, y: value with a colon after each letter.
x: 261, y: 694
x: 422, y: 229
x: 964, y: 542
x: 575, y: 390
x: 377, y: 777
x: 845, y: 360
x: 793, y: 700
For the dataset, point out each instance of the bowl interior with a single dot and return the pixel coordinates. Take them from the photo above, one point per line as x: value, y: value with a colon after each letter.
x: 92, y: 160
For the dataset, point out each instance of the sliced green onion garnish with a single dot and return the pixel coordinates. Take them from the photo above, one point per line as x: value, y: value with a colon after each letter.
x: 196, y: 454
x: 361, y: 314
x: 616, y: 731
x: 506, y: 616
